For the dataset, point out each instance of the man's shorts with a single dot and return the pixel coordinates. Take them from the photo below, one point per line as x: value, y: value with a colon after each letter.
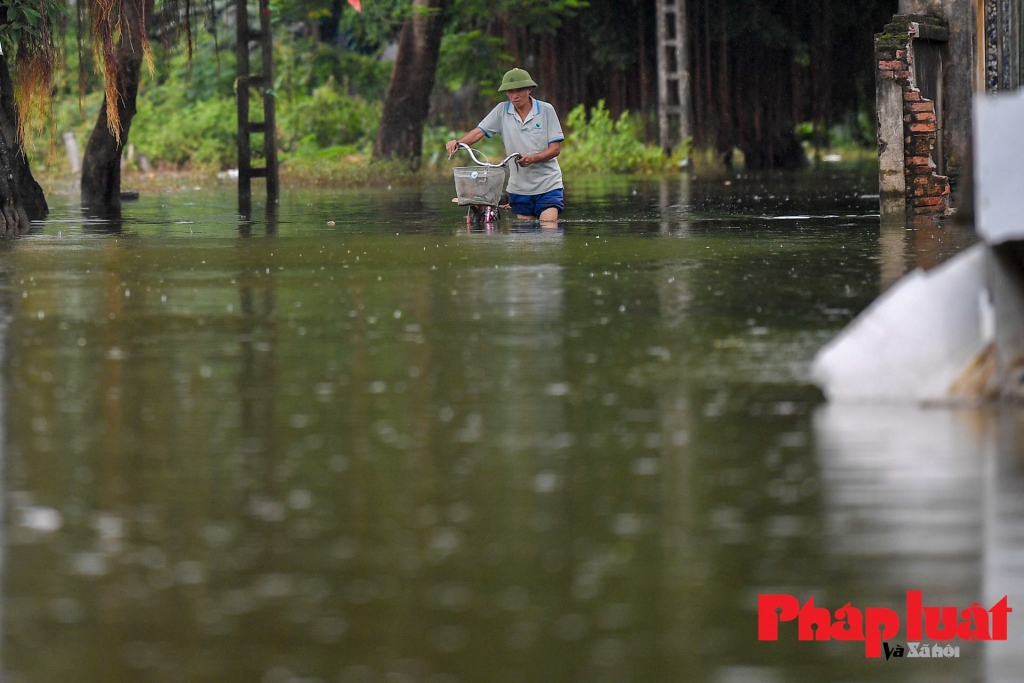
x: 535, y: 204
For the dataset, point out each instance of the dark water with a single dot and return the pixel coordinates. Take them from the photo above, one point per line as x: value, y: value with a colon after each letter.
x: 391, y: 449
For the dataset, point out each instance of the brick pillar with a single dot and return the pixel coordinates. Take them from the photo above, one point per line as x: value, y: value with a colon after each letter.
x: 926, y: 192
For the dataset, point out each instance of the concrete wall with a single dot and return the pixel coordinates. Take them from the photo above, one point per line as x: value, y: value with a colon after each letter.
x: 892, y: 183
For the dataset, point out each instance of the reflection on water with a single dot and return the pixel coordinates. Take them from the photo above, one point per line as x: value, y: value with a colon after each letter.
x: 395, y: 450
x: 931, y: 500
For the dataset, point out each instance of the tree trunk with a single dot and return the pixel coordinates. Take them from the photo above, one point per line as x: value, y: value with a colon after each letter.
x: 727, y: 141
x: 796, y: 70
x: 101, y: 166
x: 645, y: 79
x: 821, y: 71
x: 552, y: 86
x: 579, y: 59
x: 21, y: 197
x: 709, y: 116
x: 407, y: 102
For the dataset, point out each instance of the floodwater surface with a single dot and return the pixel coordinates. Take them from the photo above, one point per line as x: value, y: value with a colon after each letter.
x: 354, y: 441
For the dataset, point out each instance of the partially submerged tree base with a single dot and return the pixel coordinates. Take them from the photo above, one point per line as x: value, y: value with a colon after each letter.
x: 21, y: 198
x: 101, y: 166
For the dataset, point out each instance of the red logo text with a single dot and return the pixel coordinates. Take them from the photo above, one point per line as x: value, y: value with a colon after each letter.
x: 874, y: 625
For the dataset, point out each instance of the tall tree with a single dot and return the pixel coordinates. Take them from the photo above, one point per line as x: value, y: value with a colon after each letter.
x: 407, y: 102
x: 822, y: 80
x: 123, y: 58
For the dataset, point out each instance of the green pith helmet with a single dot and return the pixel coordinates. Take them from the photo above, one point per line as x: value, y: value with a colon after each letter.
x: 516, y: 78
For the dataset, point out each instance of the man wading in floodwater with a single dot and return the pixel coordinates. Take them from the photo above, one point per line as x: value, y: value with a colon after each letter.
x: 530, y: 127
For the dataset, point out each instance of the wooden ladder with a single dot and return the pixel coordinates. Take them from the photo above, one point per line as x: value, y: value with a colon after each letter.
x: 264, y: 83
x: 673, y: 74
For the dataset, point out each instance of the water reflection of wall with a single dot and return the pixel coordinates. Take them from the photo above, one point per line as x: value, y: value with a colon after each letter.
x: 928, y: 500
x: 902, y: 249
x: 892, y: 247
x: 1003, y: 560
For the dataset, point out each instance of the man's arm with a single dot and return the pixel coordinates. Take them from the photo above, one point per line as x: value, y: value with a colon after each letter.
x: 471, y: 138
x: 553, y: 150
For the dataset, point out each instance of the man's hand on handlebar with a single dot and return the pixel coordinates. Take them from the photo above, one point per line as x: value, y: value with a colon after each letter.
x: 451, y: 147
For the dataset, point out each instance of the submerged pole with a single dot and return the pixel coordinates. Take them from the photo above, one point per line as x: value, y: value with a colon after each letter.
x: 263, y: 81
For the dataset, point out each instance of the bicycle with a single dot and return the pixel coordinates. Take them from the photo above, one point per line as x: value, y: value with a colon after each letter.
x: 480, y: 187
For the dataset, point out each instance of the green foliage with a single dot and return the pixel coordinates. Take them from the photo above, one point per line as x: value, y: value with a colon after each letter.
x: 472, y: 56
x: 329, y: 94
x: 328, y: 119
x: 301, y: 66
x: 170, y: 130
x: 536, y: 16
x: 203, y: 133
x: 20, y: 19
x: 805, y: 130
x: 602, y: 144
x: 855, y: 131
x: 187, y: 111
x: 434, y: 139
x: 377, y: 25
x: 363, y: 32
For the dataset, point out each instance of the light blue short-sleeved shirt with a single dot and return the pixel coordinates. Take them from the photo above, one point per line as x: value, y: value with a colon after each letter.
x: 529, y: 136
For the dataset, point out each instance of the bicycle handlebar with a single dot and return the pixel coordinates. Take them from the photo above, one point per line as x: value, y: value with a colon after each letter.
x: 472, y: 154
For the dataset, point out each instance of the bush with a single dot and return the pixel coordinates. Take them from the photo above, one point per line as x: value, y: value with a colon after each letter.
x: 170, y: 130
x: 601, y: 144
x: 328, y: 119
x: 190, y: 119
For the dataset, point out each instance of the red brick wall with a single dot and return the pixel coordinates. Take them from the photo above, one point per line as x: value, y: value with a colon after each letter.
x: 927, y: 192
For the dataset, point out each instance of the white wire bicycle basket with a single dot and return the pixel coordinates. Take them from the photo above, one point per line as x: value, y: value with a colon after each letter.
x: 479, y: 185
